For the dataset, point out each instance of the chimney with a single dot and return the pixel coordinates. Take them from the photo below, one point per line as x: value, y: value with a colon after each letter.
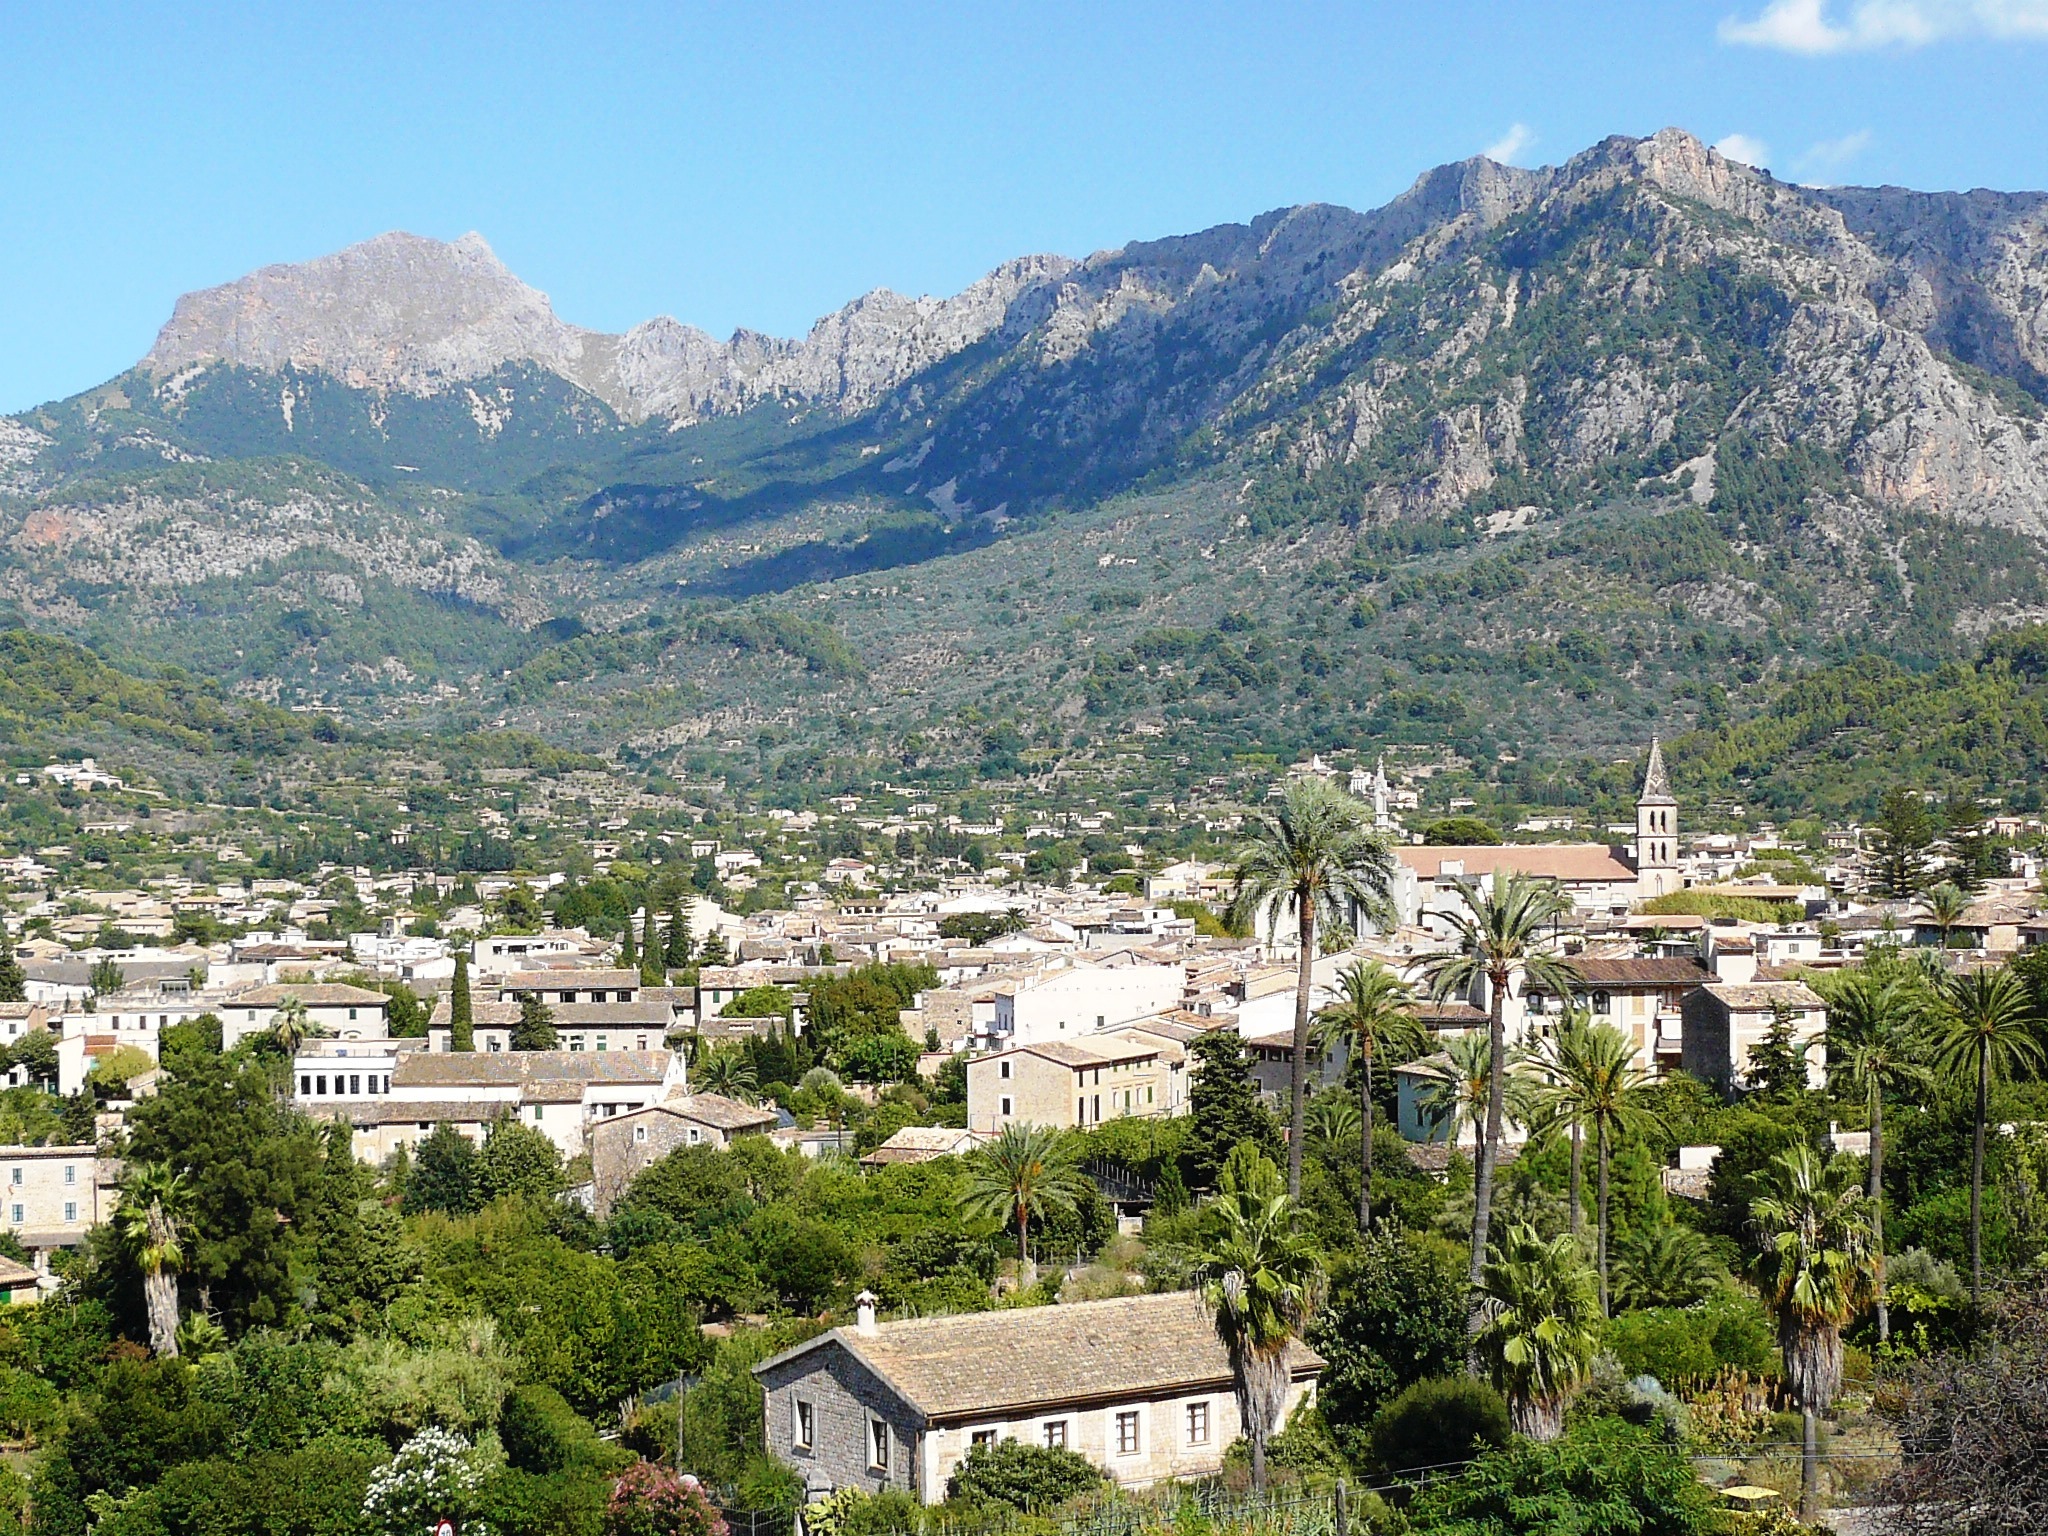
x: 864, y: 1312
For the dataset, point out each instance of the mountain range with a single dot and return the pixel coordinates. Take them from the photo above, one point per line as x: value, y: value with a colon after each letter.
x: 1525, y: 460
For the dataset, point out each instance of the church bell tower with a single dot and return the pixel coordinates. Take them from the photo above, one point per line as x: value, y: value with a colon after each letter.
x: 1656, y: 829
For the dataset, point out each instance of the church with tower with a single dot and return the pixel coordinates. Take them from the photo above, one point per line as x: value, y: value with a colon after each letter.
x: 1600, y: 879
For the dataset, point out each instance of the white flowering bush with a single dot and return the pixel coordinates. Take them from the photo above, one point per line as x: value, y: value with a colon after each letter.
x: 433, y: 1477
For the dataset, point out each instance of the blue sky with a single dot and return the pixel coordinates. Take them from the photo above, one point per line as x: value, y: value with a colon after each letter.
x: 759, y: 164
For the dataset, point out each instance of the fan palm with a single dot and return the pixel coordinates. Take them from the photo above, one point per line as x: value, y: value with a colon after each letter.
x: 152, y: 1222
x: 1816, y: 1267
x: 1664, y: 1266
x: 290, y: 1027
x: 1027, y: 1171
x: 1591, y: 1079
x: 1872, y: 1049
x: 1541, y: 1328
x: 1985, y: 1031
x: 1318, y: 857
x: 1500, y: 935
x: 1374, y: 1012
x: 1260, y: 1275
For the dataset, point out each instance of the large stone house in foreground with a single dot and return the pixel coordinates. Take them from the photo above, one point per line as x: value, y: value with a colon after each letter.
x: 1139, y: 1385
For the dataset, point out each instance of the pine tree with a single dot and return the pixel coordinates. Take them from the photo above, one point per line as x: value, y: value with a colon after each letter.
x: 713, y: 950
x: 535, y: 1030
x: 13, y: 981
x: 461, y: 1025
x: 1223, y: 1107
x: 1777, y: 1066
x: 681, y: 942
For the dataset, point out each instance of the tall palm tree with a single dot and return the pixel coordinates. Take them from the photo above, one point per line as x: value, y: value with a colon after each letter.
x: 1260, y: 1275
x: 1027, y: 1171
x: 1816, y: 1266
x: 1500, y: 936
x: 1985, y: 1032
x: 1552, y: 1059
x: 1318, y: 857
x: 1374, y: 1011
x: 1873, y: 1048
x: 1459, y: 1098
x: 1947, y: 905
x: 1592, y: 1080
x: 152, y: 1222
x: 1542, y: 1327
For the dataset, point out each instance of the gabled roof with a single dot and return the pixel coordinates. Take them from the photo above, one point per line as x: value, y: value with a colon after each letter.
x: 314, y: 994
x: 712, y: 1109
x: 1023, y: 1359
x: 457, y: 1069
x: 1638, y: 973
x: 1762, y: 994
x: 1569, y: 862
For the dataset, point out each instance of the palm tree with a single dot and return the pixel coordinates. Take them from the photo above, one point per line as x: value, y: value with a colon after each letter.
x: 289, y: 1026
x: 1985, y: 1032
x: 727, y: 1072
x: 1333, y: 1120
x: 1318, y: 857
x: 1374, y: 1011
x: 1552, y: 1059
x: 1500, y: 934
x: 1664, y: 1266
x: 1458, y: 1098
x: 1816, y: 1267
x: 1947, y: 905
x: 1593, y: 1081
x: 1541, y: 1329
x: 1873, y: 1048
x: 1260, y: 1275
x: 152, y: 1221
x: 1027, y: 1171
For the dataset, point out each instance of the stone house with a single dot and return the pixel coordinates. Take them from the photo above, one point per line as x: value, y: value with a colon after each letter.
x: 1725, y: 1020
x: 620, y: 1147
x: 51, y: 1196
x: 1643, y: 998
x: 332, y: 1008
x: 1138, y: 1384
x: 1073, y: 1084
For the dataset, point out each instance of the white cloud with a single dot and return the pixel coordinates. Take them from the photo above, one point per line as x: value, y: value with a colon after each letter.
x: 1821, y: 163
x: 1750, y: 151
x: 1509, y: 146
x: 1819, y: 26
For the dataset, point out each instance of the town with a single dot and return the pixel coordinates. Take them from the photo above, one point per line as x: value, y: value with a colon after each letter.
x: 1062, y: 979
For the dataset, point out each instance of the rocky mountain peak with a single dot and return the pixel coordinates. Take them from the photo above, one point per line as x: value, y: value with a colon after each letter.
x: 397, y: 312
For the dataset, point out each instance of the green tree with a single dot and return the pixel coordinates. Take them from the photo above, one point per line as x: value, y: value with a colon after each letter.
x: 682, y: 944
x: 1605, y: 1478
x: 1777, y: 1062
x: 36, y: 1054
x: 535, y: 1030
x: 1816, y: 1266
x: 1541, y: 1328
x: 1983, y: 1033
x: 1223, y: 1106
x: 445, y: 1174
x: 290, y: 1027
x: 1873, y: 1048
x: 725, y: 1070
x: 105, y: 977
x: 1260, y: 1274
x: 1317, y: 858
x: 461, y: 1022
x: 1591, y: 1079
x: 13, y: 980
x: 1033, y: 1478
x: 653, y: 951
x: 1027, y: 1172
x: 1500, y: 929
x: 152, y: 1221
x: 517, y: 1159
x: 1661, y: 1264
x: 1395, y: 1316
x: 1899, y: 840
x: 1374, y: 1011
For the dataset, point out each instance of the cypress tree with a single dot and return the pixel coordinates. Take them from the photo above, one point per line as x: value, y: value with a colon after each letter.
x: 653, y: 972
x: 681, y: 942
x: 13, y: 980
x: 461, y: 1029
x: 629, y: 949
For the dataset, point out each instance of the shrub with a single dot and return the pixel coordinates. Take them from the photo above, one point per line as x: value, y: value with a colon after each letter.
x: 541, y: 1432
x: 1028, y: 1477
x: 1396, y: 1315
x: 432, y: 1477
x: 1437, y: 1422
x: 652, y: 1501
x: 1669, y: 1343
x: 1605, y: 1479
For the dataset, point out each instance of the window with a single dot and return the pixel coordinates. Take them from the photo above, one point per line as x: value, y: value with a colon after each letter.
x: 320, y: 1084
x: 1056, y: 1435
x: 800, y: 1430
x: 536, y: 1111
x: 355, y: 1082
x: 70, y: 1173
x: 306, y: 1084
x: 15, y: 1178
x: 981, y: 1437
x: 1127, y: 1433
x: 1602, y: 1003
x: 1003, y: 1070
x: 71, y: 1210
x: 693, y: 1135
x: 1006, y: 1107
x: 17, y: 1216
x: 1198, y: 1423
x: 878, y: 1444
x: 351, y: 1015
x: 639, y: 1133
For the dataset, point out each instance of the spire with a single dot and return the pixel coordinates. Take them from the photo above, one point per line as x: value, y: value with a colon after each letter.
x: 1656, y: 783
